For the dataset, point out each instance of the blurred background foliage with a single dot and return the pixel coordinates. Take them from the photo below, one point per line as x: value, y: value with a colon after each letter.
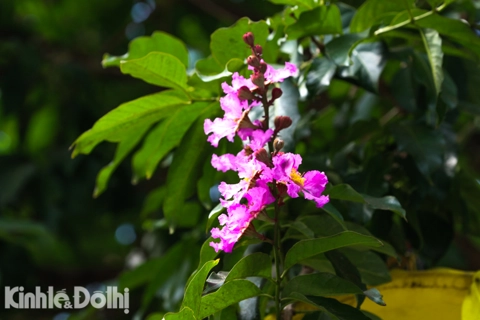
x: 53, y: 88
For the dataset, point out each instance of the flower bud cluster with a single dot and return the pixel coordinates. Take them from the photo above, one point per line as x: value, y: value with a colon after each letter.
x: 265, y: 176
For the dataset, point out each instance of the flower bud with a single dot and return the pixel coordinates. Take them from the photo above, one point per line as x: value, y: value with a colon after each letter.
x: 282, y: 122
x: 245, y: 94
x: 262, y: 156
x: 258, y: 49
x: 249, y: 39
x: 258, y: 80
x: 253, y: 61
x: 263, y: 67
x: 278, y: 144
x: 276, y: 93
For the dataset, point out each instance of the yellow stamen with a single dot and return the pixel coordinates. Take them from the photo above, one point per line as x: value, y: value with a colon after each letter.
x: 297, y: 177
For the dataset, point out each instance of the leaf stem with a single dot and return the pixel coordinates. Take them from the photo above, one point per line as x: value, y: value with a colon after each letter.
x: 412, y: 20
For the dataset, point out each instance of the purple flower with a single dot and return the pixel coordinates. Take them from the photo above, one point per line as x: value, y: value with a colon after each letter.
x: 234, y: 224
x: 311, y: 184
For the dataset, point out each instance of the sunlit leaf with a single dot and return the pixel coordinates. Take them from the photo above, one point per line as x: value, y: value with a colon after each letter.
x: 141, y: 46
x: 230, y: 293
x: 164, y: 138
x: 372, y: 12
x: 433, y: 46
x: 185, y: 170
x: 129, y: 118
x: 193, y: 292
x: 319, y: 21
x: 157, y: 68
x: 124, y: 147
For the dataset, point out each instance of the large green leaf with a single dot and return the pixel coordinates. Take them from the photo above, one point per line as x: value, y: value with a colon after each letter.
x: 228, y: 294
x: 385, y: 203
x: 164, y: 138
x: 347, y: 193
x: 319, y: 21
x: 368, y: 63
x: 433, y: 46
x: 335, y: 309
x: 227, y: 43
x: 185, y: 170
x: 141, y: 46
x: 229, y: 50
x: 320, y: 75
x: 425, y: 145
x: 456, y: 30
x: 253, y: 265
x: 193, y: 292
x: 372, y: 12
x: 344, y: 192
x: 129, y: 118
x: 320, y: 284
x: 339, y: 48
x: 308, y: 248
x: 123, y: 149
x: 372, y: 268
x: 158, y: 68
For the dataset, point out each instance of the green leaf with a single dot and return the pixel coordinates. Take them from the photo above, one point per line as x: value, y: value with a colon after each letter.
x: 227, y: 43
x: 185, y: 314
x: 310, y: 4
x: 456, y: 30
x: 128, y: 118
x: 425, y: 145
x: 373, y: 270
x: 320, y: 75
x: 368, y: 63
x: 339, y: 48
x: 213, y: 215
x: 228, y: 294
x: 347, y: 270
x: 253, y: 265
x: 320, y: 284
x: 435, y: 3
x: 157, y: 68
x: 319, y: 21
x: 375, y: 295
x: 303, y: 228
x: 163, y: 138
x: 333, y: 212
x: 344, y: 192
x: 308, y: 248
x: 141, y: 46
x: 123, y: 149
x: 373, y: 12
x: 185, y: 170
x: 433, y: 45
x: 333, y: 307
x: 193, y: 292
x: 386, y: 203
x: 206, y: 252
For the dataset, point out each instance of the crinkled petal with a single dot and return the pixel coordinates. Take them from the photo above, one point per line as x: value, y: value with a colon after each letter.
x: 224, y: 162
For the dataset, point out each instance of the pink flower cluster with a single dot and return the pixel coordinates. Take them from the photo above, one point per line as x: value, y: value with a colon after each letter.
x: 265, y: 177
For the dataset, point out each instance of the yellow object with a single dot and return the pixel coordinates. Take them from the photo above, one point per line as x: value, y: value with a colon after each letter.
x: 471, y: 303
x: 437, y: 294
x: 423, y: 295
